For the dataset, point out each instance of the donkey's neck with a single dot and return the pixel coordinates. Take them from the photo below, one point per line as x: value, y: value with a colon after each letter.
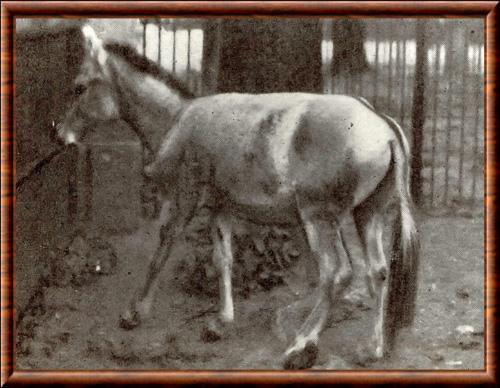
x: 150, y: 106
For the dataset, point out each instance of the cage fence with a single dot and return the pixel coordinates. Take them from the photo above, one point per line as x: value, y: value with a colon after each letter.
x: 453, y: 135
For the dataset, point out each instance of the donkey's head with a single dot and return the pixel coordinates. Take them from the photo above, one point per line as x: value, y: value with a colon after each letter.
x: 95, y: 98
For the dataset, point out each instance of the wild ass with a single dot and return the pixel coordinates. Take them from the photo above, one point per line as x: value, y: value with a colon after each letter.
x: 289, y: 158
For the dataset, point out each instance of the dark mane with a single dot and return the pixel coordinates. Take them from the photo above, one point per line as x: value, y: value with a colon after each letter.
x: 145, y: 65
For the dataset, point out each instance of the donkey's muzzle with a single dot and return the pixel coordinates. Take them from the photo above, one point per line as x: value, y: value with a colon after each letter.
x: 63, y: 135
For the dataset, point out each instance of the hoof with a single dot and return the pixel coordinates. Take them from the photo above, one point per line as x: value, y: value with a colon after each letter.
x: 366, y: 355
x: 214, y: 330
x: 129, y: 320
x: 302, y: 359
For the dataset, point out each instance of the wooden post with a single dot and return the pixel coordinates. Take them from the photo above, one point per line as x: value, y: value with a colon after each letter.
x: 212, y: 43
x: 418, y: 112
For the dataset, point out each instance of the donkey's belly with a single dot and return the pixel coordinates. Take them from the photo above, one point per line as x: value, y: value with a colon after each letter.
x: 278, y: 212
x: 255, y: 195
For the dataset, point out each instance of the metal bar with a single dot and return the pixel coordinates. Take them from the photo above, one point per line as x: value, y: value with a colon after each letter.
x: 326, y: 35
x: 403, y: 85
x: 174, y: 30
x: 464, y: 104
x: 330, y: 49
x: 143, y: 148
x: 389, y: 77
x: 449, y: 91
x: 330, y: 69
x: 418, y: 111
x: 435, y: 103
x: 188, y: 65
x: 144, y: 24
x: 398, y: 64
x: 476, y: 124
x: 375, y: 73
x: 159, y: 43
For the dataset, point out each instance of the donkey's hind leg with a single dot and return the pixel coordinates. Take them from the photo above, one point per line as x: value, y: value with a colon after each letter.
x: 223, y: 263
x: 323, y: 242
x: 181, y: 212
x: 369, y: 219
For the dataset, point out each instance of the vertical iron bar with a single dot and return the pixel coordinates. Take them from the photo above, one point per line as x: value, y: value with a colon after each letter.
x: 174, y: 29
x: 359, y: 78
x: 159, y: 42
x: 327, y: 38
x: 375, y: 73
x: 403, y: 85
x: 476, y: 124
x: 398, y: 67
x: 435, y: 103
x: 144, y: 37
x: 449, y: 59
x: 330, y: 67
x: 389, y: 79
x: 143, y: 148
x: 418, y: 112
x: 188, y: 66
x: 464, y: 104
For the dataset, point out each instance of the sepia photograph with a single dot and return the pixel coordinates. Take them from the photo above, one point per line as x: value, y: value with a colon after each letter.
x: 249, y: 193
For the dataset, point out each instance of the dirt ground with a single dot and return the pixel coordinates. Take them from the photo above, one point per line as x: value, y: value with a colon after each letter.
x: 76, y: 326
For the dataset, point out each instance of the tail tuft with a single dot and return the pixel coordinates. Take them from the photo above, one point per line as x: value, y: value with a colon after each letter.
x: 404, y: 267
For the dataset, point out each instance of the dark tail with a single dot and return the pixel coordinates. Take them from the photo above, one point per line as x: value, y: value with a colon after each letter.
x: 403, y: 274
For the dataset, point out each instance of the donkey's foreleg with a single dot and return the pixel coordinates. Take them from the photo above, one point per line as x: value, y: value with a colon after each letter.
x: 140, y: 305
x: 181, y: 212
x: 321, y: 237
x: 223, y: 262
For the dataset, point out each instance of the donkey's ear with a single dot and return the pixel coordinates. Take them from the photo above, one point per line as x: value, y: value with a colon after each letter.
x: 93, y: 45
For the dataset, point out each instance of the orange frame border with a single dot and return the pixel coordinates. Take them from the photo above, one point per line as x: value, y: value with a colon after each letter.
x: 488, y: 10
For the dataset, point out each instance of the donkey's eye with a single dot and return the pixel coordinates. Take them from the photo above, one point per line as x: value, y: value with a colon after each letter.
x: 79, y: 89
